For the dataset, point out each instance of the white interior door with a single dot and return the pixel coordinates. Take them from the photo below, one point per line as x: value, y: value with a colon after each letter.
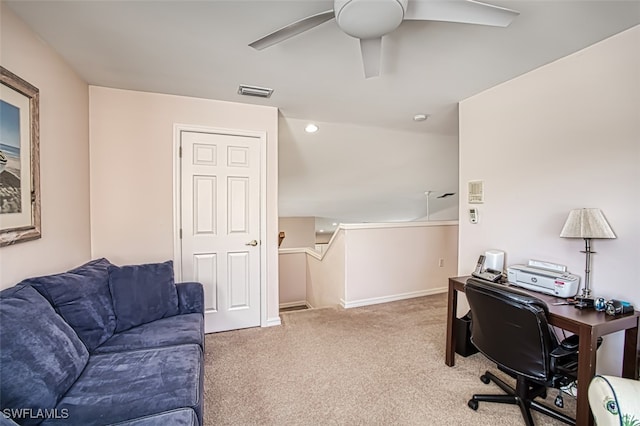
x: 220, y: 214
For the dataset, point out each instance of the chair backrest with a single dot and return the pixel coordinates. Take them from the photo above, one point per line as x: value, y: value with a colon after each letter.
x: 510, y: 327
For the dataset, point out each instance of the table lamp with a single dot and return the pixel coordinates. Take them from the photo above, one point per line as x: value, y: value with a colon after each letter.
x: 587, y: 224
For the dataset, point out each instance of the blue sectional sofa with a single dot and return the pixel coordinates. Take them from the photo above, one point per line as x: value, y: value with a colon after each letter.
x: 102, y: 345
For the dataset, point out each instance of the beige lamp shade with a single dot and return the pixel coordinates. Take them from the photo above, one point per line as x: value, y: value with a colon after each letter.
x: 586, y: 223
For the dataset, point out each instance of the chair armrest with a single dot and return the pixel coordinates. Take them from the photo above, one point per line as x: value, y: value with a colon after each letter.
x: 564, y: 358
x: 567, y: 347
x: 614, y: 400
x: 190, y: 298
x: 561, y: 352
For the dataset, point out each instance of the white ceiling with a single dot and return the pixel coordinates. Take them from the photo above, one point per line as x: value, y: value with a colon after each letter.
x: 200, y: 49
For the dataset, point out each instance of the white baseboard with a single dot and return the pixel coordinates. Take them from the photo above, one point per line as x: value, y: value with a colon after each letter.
x: 290, y: 304
x: 391, y: 298
x: 271, y: 322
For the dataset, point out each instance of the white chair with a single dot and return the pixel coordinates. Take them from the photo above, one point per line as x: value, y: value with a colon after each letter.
x: 615, y: 401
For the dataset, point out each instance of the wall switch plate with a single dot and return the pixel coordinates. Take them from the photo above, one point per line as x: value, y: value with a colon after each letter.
x: 473, y: 215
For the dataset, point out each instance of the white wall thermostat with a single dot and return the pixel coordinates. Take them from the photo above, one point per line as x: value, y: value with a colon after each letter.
x: 473, y: 215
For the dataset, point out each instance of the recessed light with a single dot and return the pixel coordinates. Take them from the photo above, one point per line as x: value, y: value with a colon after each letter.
x: 335, y: 224
x: 420, y: 117
x: 322, y: 230
x: 311, y: 128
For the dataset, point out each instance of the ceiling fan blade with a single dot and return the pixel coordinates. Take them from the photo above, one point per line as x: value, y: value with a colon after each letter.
x: 462, y: 11
x: 371, y: 49
x: 293, y: 29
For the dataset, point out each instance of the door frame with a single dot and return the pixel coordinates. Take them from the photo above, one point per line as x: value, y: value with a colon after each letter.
x: 261, y: 137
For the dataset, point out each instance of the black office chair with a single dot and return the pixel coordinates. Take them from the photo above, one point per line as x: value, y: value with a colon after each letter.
x: 510, y: 328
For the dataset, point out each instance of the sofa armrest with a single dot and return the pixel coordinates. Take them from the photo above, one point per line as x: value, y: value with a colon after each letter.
x: 614, y: 400
x: 190, y: 298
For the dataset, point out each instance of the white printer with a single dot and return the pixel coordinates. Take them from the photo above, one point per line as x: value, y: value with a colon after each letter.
x: 544, y: 277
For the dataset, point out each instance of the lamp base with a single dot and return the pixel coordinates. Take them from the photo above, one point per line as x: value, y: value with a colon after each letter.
x: 582, y: 302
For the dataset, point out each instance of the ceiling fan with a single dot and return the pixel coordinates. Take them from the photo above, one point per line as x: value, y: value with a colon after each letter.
x: 369, y: 20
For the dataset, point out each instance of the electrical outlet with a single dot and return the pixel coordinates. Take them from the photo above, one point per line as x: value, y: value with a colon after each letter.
x: 441, y: 262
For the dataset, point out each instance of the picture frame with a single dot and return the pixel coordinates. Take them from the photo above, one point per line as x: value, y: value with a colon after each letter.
x: 19, y: 160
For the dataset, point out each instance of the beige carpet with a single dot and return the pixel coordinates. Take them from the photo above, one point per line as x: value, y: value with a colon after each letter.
x: 376, y: 365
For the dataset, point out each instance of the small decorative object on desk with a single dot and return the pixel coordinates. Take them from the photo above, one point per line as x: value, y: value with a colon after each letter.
x: 601, y: 304
x: 618, y: 307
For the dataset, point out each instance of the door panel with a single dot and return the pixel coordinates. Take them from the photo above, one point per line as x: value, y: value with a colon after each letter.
x: 238, y: 266
x: 220, y: 212
x: 204, y: 205
x: 205, y: 271
x: 238, y: 192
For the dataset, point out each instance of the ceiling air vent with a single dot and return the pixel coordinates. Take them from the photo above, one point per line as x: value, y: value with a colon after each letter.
x: 476, y: 192
x: 260, y: 92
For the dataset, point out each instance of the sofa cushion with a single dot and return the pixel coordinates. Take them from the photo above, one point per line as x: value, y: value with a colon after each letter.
x: 181, y: 417
x: 190, y: 297
x: 81, y: 296
x: 40, y: 357
x: 142, y: 293
x: 176, y: 330
x: 126, y: 385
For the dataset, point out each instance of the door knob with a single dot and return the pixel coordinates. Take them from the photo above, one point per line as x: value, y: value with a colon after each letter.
x: 252, y: 243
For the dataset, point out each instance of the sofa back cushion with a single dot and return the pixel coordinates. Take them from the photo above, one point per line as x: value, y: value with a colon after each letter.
x: 142, y: 293
x: 40, y: 357
x: 81, y: 296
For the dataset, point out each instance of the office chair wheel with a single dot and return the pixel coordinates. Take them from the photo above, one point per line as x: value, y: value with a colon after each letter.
x: 473, y: 404
x: 485, y: 380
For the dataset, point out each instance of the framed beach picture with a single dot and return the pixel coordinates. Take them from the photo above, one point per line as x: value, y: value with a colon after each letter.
x: 19, y: 160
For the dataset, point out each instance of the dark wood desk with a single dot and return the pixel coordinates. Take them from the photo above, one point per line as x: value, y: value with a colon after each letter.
x: 588, y: 324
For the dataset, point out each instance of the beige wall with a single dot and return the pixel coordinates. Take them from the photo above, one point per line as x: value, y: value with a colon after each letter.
x: 564, y: 136
x: 132, y: 195
x: 292, y: 273
x: 323, y: 237
x: 397, y: 261
x: 299, y: 232
x: 64, y: 156
x: 366, y: 264
x: 326, y: 277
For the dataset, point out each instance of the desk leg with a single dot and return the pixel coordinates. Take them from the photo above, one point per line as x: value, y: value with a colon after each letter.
x: 586, y: 371
x: 631, y: 345
x: 452, y: 310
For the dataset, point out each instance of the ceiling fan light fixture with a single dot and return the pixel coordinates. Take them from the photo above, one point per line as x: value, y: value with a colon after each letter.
x: 260, y: 92
x: 366, y: 19
x: 370, y: 21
